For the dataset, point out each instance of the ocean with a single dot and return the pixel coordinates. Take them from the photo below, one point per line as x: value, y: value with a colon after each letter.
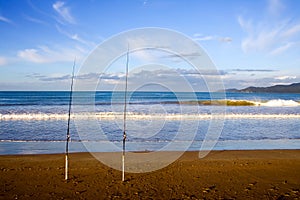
x: 36, y: 122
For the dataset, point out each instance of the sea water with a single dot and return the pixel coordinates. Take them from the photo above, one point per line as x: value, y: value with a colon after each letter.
x: 36, y: 122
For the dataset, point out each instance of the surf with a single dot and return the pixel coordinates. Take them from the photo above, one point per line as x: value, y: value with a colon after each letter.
x: 234, y: 102
x: 141, y: 116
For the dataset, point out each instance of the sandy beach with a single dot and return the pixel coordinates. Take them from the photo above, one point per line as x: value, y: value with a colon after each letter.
x: 259, y: 174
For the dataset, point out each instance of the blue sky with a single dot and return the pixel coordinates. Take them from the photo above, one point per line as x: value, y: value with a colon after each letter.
x: 252, y: 43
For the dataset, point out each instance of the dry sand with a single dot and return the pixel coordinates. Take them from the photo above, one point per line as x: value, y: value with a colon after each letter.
x: 267, y: 174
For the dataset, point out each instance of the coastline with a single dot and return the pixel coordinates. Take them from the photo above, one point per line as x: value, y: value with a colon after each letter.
x: 230, y: 174
x: 58, y: 147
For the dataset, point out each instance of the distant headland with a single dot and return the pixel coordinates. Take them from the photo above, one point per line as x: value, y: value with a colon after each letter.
x: 292, y: 88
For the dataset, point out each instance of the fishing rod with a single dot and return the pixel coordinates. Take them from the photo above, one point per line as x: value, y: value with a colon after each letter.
x: 125, y: 112
x: 68, y: 129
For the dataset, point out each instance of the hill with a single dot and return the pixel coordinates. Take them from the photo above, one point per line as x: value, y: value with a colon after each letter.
x: 293, y: 88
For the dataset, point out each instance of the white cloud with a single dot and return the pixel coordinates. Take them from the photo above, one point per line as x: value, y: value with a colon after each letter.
x: 292, y: 31
x: 159, y: 79
x: 226, y: 39
x: 4, y: 19
x: 79, y: 39
x: 240, y: 80
x: 35, y: 20
x: 3, y: 61
x: 44, y: 54
x: 260, y: 37
x: 271, y: 35
x: 204, y: 38
x: 246, y: 25
x: 144, y: 55
x: 281, y: 49
x: 75, y: 37
x: 200, y: 37
x: 63, y: 11
x: 285, y: 77
x: 32, y: 55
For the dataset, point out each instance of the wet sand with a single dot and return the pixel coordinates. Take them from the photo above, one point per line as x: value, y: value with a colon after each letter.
x: 259, y: 174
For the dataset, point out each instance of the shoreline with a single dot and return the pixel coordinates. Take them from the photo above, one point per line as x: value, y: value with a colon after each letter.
x: 212, y: 152
x: 50, y: 147
x: 229, y: 174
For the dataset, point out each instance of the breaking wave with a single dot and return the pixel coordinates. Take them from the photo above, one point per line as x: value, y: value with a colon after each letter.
x: 269, y: 103
x: 141, y: 116
x: 280, y: 103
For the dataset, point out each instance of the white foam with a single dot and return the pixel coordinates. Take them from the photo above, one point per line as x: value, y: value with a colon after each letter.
x: 271, y: 103
x: 141, y: 116
x: 279, y: 103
